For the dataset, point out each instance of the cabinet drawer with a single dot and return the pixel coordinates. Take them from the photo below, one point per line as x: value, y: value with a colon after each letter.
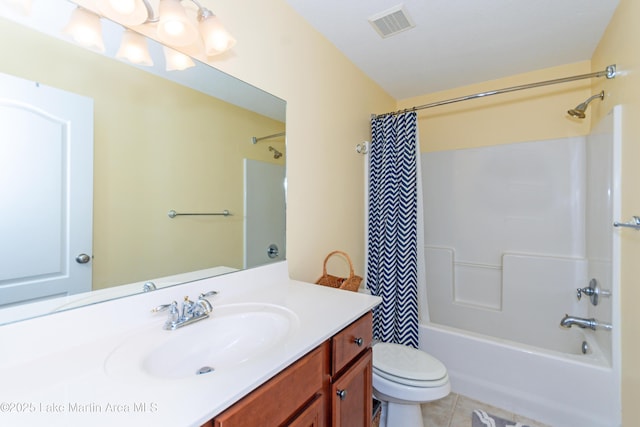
x: 280, y: 397
x: 350, y: 342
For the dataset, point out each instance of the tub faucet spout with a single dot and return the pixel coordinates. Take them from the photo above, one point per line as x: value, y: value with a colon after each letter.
x: 568, y: 321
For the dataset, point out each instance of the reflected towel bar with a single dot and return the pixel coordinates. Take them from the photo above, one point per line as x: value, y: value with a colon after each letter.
x: 633, y: 223
x: 173, y: 214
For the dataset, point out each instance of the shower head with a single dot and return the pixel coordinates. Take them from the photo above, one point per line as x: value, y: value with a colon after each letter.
x: 578, y: 112
x: 276, y: 153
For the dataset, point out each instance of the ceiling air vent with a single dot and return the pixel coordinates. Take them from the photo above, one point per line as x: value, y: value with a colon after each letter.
x: 391, y: 21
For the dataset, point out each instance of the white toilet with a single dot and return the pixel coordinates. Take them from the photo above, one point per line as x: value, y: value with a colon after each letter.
x: 404, y: 378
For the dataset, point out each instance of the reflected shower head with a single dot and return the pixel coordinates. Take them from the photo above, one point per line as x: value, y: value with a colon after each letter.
x: 276, y: 153
x: 578, y: 112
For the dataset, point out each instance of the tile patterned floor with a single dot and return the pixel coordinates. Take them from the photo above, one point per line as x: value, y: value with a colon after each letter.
x: 455, y: 411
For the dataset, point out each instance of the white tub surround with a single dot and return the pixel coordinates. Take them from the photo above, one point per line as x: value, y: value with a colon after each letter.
x: 54, y: 369
x: 511, y: 232
x: 505, y: 237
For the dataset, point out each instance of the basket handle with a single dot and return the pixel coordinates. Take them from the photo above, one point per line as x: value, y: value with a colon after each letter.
x: 324, y: 267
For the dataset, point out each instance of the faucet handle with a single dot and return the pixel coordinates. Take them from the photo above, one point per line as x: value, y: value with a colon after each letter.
x: 593, y: 291
x: 174, y: 315
x: 587, y: 291
x: 164, y: 307
x: 208, y: 294
x: 204, y: 305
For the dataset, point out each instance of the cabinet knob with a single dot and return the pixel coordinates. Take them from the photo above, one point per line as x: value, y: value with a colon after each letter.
x: 342, y: 394
x: 359, y: 342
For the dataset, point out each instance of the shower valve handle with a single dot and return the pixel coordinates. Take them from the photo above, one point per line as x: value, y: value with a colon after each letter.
x: 593, y: 291
x: 587, y: 291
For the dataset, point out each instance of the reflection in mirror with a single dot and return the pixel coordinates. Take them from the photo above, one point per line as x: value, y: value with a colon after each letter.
x: 161, y: 141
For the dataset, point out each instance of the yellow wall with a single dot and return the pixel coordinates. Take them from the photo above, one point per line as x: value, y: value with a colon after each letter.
x: 619, y: 45
x: 329, y: 103
x: 157, y: 146
x: 529, y: 115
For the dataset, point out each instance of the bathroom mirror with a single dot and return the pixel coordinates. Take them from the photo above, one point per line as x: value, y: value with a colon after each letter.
x: 163, y: 141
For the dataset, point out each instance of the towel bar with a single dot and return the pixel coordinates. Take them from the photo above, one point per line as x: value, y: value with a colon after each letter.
x: 173, y: 214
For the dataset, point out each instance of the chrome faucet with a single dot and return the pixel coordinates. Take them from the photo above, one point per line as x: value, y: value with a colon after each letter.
x: 568, y: 321
x: 191, y: 312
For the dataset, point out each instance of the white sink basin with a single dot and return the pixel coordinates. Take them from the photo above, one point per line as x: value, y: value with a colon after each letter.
x: 233, y: 334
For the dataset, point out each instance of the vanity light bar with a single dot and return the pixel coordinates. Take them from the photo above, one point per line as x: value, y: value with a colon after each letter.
x: 175, y: 27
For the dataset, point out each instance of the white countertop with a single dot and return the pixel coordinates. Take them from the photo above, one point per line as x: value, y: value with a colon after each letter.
x: 52, y: 369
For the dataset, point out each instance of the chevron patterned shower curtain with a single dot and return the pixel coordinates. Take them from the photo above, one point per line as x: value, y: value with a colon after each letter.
x: 392, y: 228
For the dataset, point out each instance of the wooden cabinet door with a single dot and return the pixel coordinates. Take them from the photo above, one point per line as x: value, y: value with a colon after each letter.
x: 312, y: 416
x: 351, y: 395
x: 281, y: 397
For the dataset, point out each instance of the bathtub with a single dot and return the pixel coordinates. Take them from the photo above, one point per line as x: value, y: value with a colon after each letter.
x: 559, y: 389
x: 502, y: 261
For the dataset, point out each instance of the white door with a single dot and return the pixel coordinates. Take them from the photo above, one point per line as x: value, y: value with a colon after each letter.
x: 264, y: 209
x: 46, y: 191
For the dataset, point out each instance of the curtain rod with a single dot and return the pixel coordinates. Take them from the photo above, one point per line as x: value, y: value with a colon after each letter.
x: 609, y: 73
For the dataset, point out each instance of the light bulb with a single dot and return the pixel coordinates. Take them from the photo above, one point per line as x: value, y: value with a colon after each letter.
x: 176, y: 61
x: 124, y: 7
x: 85, y: 28
x: 216, y: 38
x: 134, y: 49
x: 125, y: 12
x: 174, y: 27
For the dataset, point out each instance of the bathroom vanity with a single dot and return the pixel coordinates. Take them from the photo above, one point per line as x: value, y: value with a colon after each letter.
x: 332, y: 382
x: 273, y: 349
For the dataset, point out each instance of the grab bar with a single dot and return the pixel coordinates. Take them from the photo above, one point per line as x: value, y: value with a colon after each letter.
x: 633, y: 223
x: 173, y: 214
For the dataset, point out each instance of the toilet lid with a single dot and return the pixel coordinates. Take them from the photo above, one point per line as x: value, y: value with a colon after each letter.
x: 407, y: 362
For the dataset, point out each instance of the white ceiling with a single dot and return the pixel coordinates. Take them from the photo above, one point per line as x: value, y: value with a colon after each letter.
x: 460, y: 42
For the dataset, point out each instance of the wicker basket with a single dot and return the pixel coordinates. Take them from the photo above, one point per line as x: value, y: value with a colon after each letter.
x: 351, y: 283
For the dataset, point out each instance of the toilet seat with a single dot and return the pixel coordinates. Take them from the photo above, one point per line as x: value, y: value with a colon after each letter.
x: 403, y: 379
x: 408, y: 366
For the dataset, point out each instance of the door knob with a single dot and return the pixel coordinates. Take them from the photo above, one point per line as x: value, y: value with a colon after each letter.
x: 83, y: 259
x: 342, y: 394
